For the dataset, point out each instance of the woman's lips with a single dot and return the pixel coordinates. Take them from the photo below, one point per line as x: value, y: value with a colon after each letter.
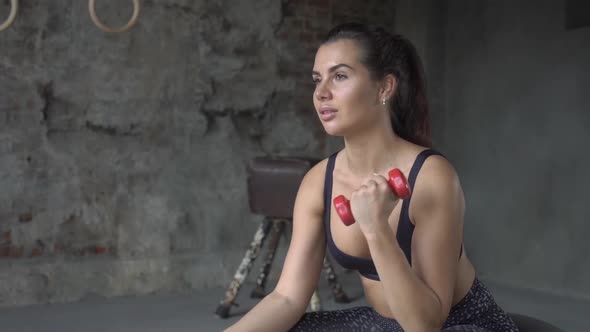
x: 327, y: 113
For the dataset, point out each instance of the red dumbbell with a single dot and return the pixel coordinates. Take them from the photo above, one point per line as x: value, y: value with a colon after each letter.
x: 397, y: 183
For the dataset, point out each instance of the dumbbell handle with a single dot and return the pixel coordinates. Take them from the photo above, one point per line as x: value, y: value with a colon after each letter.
x: 397, y: 182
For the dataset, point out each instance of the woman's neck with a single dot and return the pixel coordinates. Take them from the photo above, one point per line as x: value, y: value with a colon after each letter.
x: 374, y: 151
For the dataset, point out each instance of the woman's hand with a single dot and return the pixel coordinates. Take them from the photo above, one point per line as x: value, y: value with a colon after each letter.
x: 372, y: 203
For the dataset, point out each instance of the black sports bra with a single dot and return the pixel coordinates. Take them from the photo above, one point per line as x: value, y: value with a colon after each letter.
x: 405, y: 228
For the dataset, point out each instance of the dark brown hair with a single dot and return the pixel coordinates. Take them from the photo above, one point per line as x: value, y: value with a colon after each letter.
x: 384, y: 53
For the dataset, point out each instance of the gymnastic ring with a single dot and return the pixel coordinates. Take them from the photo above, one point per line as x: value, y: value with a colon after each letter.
x: 99, y: 24
x: 11, y: 16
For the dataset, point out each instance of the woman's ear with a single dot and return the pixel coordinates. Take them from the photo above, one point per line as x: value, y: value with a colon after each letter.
x: 388, y: 87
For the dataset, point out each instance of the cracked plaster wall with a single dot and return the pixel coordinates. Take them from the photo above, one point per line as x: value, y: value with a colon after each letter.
x: 122, y: 156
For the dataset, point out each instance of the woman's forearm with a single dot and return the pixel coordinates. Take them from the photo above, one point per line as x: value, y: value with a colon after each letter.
x: 414, y: 304
x: 274, y: 313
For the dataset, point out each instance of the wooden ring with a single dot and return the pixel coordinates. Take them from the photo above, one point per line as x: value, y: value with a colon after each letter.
x: 11, y: 16
x: 100, y: 25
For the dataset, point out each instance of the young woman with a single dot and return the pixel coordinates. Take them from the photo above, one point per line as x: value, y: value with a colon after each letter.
x: 409, y: 254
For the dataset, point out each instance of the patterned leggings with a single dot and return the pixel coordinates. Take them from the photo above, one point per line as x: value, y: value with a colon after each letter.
x: 476, y: 312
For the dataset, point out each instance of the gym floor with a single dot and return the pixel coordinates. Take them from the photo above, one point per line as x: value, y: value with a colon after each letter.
x: 193, y: 310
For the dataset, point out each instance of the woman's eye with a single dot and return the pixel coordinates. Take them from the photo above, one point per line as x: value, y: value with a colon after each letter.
x: 315, y: 80
x: 340, y: 77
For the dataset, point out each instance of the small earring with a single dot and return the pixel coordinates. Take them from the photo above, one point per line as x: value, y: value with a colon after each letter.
x: 384, y: 101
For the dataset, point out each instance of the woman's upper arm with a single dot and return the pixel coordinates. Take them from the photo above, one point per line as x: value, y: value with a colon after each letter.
x: 305, y: 256
x: 438, y: 214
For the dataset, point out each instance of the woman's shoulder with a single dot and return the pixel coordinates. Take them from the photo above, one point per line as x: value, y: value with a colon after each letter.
x: 310, y: 195
x: 316, y: 175
x: 436, y: 163
x: 437, y: 177
x: 432, y: 160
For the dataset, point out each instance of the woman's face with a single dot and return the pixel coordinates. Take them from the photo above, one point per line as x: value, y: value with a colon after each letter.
x: 346, y: 98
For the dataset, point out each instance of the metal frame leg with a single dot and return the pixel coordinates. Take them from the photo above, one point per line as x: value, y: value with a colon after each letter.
x: 315, y: 302
x: 244, y: 268
x: 339, y: 295
x: 277, y: 231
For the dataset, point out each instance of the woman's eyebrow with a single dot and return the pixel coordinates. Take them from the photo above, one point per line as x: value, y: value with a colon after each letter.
x: 334, y: 68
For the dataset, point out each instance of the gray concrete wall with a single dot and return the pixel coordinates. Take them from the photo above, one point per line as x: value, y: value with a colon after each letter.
x: 515, y: 122
x: 123, y: 156
x: 517, y: 125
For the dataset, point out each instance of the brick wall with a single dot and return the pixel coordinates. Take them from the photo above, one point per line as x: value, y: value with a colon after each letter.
x: 306, y: 22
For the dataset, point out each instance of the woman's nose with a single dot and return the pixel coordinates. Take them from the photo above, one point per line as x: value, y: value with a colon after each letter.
x: 322, y: 92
